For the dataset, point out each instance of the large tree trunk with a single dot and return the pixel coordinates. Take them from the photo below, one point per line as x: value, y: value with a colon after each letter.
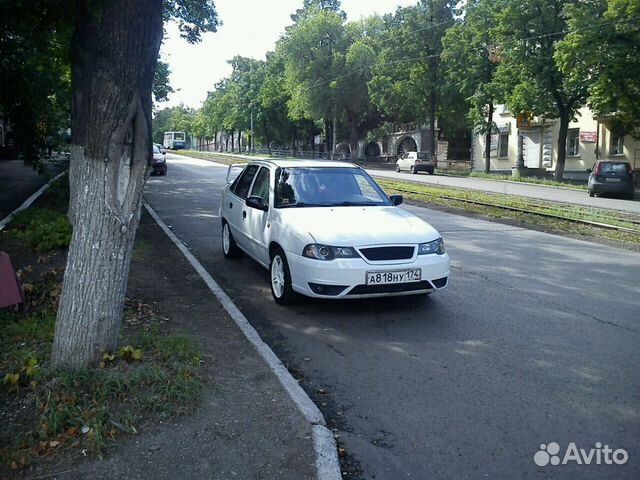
x: 487, y: 141
x: 114, y: 52
x: 562, y: 144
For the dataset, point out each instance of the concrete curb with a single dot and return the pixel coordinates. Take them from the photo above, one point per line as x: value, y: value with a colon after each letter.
x: 5, y: 221
x: 327, y: 464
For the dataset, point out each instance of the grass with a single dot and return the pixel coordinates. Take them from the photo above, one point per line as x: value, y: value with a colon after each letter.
x: 500, y: 177
x: 56, y: 412
x: 435, y: 195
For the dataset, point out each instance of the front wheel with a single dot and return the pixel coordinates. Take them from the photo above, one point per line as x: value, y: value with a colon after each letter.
x: 280, y: 276
x: 397, y: 168
x: 229, y: 247
x: 591, y: 194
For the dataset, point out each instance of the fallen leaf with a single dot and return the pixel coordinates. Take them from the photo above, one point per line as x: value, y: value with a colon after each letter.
x: 54, y: 443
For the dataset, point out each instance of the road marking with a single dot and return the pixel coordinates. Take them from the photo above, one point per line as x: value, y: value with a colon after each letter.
x: 327, y: 464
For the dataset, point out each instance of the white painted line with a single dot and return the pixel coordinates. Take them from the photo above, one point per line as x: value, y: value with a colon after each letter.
x: 327, y: 464
x: 5, y: 221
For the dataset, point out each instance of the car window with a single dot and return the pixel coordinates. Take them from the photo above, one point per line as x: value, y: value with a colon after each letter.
x: 326, y: 186
x: 243, y: 182
x: 613, y: 167
x: 156, y: 149
x: 261, y: 185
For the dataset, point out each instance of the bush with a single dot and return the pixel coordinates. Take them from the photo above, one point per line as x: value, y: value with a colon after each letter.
x: 42, y: 229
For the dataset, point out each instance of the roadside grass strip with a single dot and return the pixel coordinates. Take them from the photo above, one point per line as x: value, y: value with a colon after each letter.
x: 53, y: 413
x: 533, y: 210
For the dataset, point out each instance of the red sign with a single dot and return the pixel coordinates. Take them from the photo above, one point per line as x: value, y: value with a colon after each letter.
x: 588, y: 137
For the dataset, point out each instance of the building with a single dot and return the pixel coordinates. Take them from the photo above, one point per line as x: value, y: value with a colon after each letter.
x: 588, y: 139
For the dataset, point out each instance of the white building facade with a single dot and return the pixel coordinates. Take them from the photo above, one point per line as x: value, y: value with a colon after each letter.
x: 588, y: 139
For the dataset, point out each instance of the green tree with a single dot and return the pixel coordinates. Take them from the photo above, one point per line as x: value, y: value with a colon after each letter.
x: 528, y: 35
x: 471, y: 56
x: 602, y: 49
x: 35, y: 71
x: 408, y: 84
x: 314, y: 56
x: 161, y: 85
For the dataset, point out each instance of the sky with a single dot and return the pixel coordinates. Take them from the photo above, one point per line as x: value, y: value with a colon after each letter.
x: 250, y: 28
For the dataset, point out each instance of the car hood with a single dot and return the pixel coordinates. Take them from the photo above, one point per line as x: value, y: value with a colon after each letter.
x: 358, y: 226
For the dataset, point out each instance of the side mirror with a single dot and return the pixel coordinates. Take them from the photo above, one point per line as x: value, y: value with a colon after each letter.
x: 588, y: 170
x: 396, y: 199
x: 257, y: 203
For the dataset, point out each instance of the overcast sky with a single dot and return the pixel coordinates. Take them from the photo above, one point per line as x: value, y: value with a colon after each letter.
x: 250, y: 28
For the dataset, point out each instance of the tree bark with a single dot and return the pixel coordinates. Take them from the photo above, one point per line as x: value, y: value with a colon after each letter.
x: 114, y: 50
x: 562, y: 144
x: 487, y: 146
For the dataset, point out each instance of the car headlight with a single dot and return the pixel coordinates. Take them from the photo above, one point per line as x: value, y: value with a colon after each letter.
x: 327, y: 252
x: 437, y: 246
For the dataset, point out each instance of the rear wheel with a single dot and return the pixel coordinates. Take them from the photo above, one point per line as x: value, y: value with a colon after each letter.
x: 229, y: 247
x: 413, y: 169
x: 591, y: 194
x: 280, y: 277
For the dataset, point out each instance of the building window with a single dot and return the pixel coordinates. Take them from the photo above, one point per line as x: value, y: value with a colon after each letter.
x: 503, y: 145
x: 573, y: 142
x: 617, y: 141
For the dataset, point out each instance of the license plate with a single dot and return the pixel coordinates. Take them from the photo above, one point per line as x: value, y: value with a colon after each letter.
x: 396, y: 276
x: 612, y: 179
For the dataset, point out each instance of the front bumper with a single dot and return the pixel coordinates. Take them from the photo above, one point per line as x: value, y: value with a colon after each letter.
x: 346, y: 278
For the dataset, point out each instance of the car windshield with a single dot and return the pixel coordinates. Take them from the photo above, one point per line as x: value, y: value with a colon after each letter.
x: 611, y: 167
x: 326, y: 187
x: 156, y: 149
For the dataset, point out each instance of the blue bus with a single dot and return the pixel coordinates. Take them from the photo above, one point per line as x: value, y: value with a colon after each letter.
x: 174, y: 140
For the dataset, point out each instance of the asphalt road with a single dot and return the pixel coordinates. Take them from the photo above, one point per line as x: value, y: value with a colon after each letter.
x: 566, y: 195
x: 536, y: 340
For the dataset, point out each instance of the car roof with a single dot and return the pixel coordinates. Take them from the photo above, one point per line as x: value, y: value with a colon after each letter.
x: 306, y: 163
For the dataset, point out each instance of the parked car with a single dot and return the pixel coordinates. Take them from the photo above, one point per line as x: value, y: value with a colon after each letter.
x: 417, y: 162
x: 161, y: 148
x: 326, y: 229
x: 609, y: 176
x: 159, y: 165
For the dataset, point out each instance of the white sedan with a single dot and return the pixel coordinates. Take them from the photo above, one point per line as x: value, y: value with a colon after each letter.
x: 325, y: 229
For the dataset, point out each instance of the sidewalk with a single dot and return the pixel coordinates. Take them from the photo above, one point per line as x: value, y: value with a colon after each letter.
x: 18, y: 181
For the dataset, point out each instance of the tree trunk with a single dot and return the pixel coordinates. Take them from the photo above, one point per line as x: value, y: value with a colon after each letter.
x: 487, y: 146
x: 267, y: 137
x: 327, y: 137
x: 562, y: 144
x: 432, y: 121
x: 114, y: 52
x: 334, y: 134
x: 353, y: 137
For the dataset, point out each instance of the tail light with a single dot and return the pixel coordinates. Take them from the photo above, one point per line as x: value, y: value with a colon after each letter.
x: 417, y: 162
x: 597, y: 170
x: 629, y: 169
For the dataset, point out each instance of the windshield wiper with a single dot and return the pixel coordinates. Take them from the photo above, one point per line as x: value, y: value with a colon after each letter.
x: 306, y: 204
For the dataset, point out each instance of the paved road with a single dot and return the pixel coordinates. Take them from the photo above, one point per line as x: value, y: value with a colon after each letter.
x: 566, y: 195
x: 535, y: 341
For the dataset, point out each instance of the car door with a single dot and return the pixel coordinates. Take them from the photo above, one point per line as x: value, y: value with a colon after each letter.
x: 235, y: 206
x: 403, y: 161
x: 256, y: 221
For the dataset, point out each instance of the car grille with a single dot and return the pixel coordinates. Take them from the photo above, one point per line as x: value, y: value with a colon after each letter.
x: 393, y: 288
x: 387, y: 253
